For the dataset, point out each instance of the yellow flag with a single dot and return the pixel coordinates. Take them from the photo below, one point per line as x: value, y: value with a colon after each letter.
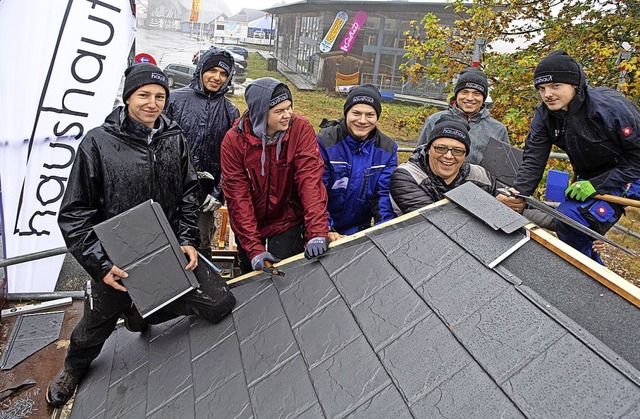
x: 195, y: 11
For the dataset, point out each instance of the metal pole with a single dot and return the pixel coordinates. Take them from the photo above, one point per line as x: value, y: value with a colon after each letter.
x: 32, y: 256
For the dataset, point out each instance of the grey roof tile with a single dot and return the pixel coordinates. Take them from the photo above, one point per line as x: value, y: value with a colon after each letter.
x: 335, y: 261
x: 461, y: 289
x: 468, y: 393
x: 217, y: 366
x: 365, y: 275
x: 484, y: 243
x: 128, y: 395
x: 418, y: 259
x: 230, y: 400
x: 569, y: 381
x: 131, y: 351
x: 328, y: 331
x: 314, y: 412
x: 203, y: 335
x: 172, y: 342
x: 386, y: 404
x: 389, y: 312
x: 305, y: 297
x: 423, y: 358
x: 268, y: 350
x: 170, y: 380
x: 263, y: 311
x: 507, y: 333
x: 349, y: 378
x: 388, y: 239
x: 246, y: 292
x: 286, y: 392
x: 181, y: 406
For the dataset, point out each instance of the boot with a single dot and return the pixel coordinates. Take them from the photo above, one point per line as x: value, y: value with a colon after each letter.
x: 133, y: 321
x: 61, y: 388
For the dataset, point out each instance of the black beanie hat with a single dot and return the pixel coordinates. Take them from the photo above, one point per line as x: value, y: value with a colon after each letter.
x: 223, y: 61
x: 472, y: 78
x: 141, y: 74
x: 557, y: 67
x: 279, y: 95
x: 367, y: 94
x: 451, y: 126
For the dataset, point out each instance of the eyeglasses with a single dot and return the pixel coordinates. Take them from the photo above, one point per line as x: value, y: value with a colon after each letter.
x: 443, y: 149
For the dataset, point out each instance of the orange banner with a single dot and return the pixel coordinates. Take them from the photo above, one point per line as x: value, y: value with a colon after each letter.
x: 195, y: 11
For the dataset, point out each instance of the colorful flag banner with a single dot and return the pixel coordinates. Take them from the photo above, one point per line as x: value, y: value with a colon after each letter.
x: 358, y: 22
x: 334, y: 30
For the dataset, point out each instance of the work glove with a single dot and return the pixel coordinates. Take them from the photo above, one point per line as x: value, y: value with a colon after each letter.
x: 258, y: 263
x: 316, y: 246
x: 210, y: 204
x: 580, y: 190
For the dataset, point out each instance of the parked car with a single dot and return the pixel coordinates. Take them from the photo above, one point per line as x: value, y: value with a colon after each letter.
x: 238, y: 50
x: 179, y: 75
x: 239, y: 59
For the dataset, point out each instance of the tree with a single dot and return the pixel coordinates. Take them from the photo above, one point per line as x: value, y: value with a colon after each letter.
x: 595, y: 32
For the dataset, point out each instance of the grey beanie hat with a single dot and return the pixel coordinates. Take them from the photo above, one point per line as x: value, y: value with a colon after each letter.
x: 451, y: 126
x: 141, y: 74
x: 557, y: 67
x: 472, y: 78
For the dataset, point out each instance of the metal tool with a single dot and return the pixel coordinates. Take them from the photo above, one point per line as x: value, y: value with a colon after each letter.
x: 563, y: 218
x: 272, y: 270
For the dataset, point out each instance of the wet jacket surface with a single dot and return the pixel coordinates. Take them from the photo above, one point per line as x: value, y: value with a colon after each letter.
x: 115, y: 169
x: 205, y: 117
x: 357, y: 175
x: 482, y: 128
x: 414, y: 185
x: 290, y: 192
x: 599, y: 133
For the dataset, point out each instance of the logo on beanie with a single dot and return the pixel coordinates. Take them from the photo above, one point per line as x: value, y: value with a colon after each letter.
x: 278, y: 99
x: 543, y: 79
x: 159, y: 77
x: 455, y: 133
x: 224, y: 66
x: 367, y: 99
x: 471, y: 85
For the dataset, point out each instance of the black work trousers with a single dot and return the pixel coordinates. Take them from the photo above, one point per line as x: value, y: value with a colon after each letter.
x: 211, y: 301
x: 282, y: 246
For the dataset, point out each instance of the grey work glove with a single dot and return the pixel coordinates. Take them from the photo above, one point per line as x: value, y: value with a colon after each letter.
x: 210, y: 204
x: 317, y: 246
x: 258, y: 262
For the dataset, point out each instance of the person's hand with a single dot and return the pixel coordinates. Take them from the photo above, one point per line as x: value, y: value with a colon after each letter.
x: 259, y: 262
x: 210, y: 204
x: 580, y: 190
x: 192, y: 255
x: 598, y: 246
x: 333, y: 236
x: 516, y: 204
x: 317, y: 246
x: 115, y: 275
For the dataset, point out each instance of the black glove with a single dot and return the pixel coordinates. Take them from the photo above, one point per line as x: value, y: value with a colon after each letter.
x: 316, y: 246
x: 258, y: 262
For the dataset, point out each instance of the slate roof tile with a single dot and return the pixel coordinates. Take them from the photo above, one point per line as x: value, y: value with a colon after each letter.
x: 423, y: 358
x: 284, y: 393
x: 217, y: 366
x: 181, y: 406
x: 230, y: 400
x: 203, y: 337
x: 349, y: 378
x: 470, y: 392
x: 129, y: 354
x: 172, y: 342
x: 169, y: 381
x: 386, y: 404
x: 128, y: 395
x: 264, y: 310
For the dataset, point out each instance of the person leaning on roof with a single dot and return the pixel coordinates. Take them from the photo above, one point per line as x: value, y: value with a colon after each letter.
x: 470, y: 94
x: 272, y: 179
x: 111, y: 174
x: 598, y: 129
x: 438, y: 166
x: 205, y: 115
x: 358, y: 162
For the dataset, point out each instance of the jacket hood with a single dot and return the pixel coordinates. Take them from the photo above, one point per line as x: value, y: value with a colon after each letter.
x: 258, y: 96
x: 196, y: 81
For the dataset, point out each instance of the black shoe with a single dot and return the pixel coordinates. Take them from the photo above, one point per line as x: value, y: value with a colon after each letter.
x: 62, y: 388
x: 133, y: 321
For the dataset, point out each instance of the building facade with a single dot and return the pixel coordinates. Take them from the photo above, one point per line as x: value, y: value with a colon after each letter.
x: 380, y: 43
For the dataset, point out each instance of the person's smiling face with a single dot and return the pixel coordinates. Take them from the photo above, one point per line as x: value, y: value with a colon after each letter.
x: 557, y: 96
x: 446, y: 165
x: 145, y: 104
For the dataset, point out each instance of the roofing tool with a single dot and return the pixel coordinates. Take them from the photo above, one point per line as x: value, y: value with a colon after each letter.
x: 209, y: 263
x: 532, y: 202
x: 272, y: 270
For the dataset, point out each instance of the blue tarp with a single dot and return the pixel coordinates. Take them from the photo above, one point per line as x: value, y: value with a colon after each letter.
x: 264, y: 24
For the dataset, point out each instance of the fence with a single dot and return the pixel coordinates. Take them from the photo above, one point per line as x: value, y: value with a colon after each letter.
x: 396, y: 84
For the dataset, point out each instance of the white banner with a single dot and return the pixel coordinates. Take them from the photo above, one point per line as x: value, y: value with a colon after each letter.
x: 62, y: 64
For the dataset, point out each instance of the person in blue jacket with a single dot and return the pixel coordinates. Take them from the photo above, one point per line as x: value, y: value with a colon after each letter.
x: 358, y: 162
x: 598, y: 129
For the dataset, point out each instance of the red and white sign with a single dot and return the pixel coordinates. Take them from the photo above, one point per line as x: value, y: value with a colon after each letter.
x: 143, y: 57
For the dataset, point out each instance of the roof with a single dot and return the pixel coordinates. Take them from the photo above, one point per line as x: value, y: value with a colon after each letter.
x: 246, y: 15
x: 371, y: 6
x: 404, y: 320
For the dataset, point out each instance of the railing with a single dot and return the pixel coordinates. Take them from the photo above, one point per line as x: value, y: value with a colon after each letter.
x: 396, y: 84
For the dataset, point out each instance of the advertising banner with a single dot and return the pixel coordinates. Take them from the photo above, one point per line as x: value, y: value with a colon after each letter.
x: 63, y: 62
x: 334, y: 30
x: 358, y: 22
x: 195, y: 11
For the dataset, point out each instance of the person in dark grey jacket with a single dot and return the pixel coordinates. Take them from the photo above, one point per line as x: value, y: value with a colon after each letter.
x: 437, y: 167
x: 205, y: 115
x: 470, y: 95
x: 136, y: 155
